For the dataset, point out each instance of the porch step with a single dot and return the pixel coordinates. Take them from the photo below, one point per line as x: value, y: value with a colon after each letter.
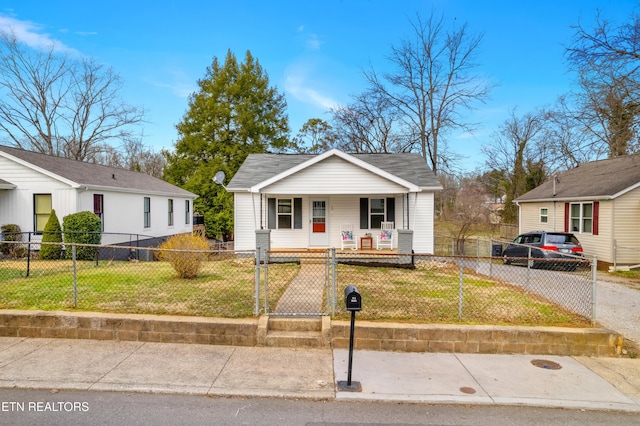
x: 295, y: 324
x: 309, y: 332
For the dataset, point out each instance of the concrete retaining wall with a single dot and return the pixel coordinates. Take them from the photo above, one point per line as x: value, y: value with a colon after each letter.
x: 368, y: 335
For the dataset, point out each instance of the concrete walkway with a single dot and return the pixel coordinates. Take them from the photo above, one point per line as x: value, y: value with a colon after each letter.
x: 540, y: 381
x: 305, y: 293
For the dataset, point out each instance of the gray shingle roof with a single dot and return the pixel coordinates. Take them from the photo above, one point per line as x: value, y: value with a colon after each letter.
x: 597, y: 179
x: 90, y: 174
x: 259, y: 167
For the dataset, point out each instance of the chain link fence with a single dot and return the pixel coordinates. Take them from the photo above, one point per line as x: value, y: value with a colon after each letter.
x: 441, y: 288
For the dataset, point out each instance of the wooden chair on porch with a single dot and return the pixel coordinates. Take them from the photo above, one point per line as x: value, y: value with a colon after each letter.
x: 347, y: 238
x: 385, y: 238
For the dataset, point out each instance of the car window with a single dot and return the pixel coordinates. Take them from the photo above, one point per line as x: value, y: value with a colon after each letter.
x: 536, y: 238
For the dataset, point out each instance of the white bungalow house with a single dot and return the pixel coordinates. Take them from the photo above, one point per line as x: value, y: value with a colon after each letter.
x: 301, y: 201
x: 598, y: 201
x: 133, y: 206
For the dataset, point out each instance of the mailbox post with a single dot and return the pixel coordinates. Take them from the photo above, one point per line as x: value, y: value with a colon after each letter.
x: 353, y: 303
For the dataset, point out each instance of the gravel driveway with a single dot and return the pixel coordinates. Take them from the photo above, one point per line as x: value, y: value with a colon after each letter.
x: 618, y: 306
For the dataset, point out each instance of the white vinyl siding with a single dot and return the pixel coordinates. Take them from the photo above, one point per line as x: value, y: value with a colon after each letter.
x: 329, y: 177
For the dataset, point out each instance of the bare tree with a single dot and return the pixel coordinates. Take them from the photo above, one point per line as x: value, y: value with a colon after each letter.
x: 519, y: 151
x: 59, y: 105
x: 433, y: 85
x: 133, y: 155
x: 315, y: 137
x: 369, y: 124
x: 606, y: 59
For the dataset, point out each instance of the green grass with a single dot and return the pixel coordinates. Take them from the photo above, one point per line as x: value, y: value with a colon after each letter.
x: 226, y: 288
x: 431, y: 293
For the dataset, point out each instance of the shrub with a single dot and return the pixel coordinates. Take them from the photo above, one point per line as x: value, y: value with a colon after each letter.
x: 82, y: 228
x: 12, y: 232
x: 52, y: 234
x: 186, y: 263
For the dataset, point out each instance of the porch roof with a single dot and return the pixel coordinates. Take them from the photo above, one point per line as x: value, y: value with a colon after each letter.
x: 407, y: 169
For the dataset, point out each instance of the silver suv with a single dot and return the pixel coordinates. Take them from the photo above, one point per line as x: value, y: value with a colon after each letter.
x: 556, y: 250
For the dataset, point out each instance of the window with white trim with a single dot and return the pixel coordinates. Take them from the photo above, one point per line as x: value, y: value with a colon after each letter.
x: 284, y: 213
x: 187, y: 212
x: 41, y: 211
x: 376, y: 212
x: 581, y: 219
x: 170, y: 212
x: 147, y: 212
x: 544, y: 215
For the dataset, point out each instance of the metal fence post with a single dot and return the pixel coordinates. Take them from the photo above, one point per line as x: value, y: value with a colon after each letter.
x: 256, y: 310
x: 594, y: 287
x: 334, y: 280
x: 75, y: 281
x: 460, y: 292
x: 28, y: 253
x: 266, y: 281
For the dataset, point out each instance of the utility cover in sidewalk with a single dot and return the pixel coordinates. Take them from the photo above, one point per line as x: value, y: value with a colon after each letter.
x: 545, y: 363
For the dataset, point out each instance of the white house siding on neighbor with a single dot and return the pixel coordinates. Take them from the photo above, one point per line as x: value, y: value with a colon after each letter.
x: 123, y: 215
x: 342, y: 209
x: 16, y: 205
x: 123, y: 211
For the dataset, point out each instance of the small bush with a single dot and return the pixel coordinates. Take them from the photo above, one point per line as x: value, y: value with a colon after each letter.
x: 186, y: 263
x: 12, y: 232
x: 52, y: 234
x: 82, y: 228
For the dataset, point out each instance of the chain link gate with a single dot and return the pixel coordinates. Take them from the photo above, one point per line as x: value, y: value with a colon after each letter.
x: 295, y: 283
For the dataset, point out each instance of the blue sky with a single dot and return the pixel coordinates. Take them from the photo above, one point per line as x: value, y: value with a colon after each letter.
x: 313, y: 51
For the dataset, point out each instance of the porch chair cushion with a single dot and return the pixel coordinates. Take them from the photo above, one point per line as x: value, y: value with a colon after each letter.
x: 347, y: 235
x: 385, y: 235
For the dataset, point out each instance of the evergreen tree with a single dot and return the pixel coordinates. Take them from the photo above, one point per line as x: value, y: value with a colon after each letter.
x: 235, y: 113
x: 52, y: 233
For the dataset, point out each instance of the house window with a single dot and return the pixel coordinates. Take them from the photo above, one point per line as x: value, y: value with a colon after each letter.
x: 187, y: 212
x: 98, y: 206
x: 581, y: 217
x: 170, y: 212
x: 374, y: 211
x: 41, y: 211
x: 544, y: 215
x: 147, y: 212
x: 284, y: 213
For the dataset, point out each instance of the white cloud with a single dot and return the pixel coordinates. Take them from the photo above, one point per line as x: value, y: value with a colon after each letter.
x: 300, y: 89
x: 314, y: 42
x: 31, y: 34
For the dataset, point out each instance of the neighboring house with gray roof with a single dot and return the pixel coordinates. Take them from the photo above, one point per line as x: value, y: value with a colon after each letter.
x: 300, y: 201
x: 132, y: 205
x: 599, y: 201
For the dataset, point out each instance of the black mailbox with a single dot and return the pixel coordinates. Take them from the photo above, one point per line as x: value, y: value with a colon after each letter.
x: 352, y: 298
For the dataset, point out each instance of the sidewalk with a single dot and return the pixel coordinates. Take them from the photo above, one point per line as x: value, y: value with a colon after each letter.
x: 579, y: 383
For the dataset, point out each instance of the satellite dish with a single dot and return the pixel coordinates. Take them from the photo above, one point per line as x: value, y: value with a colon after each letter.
x: 219, y: 178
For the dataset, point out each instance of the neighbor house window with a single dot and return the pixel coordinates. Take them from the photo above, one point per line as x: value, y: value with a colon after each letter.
x: 285, y: 213
x: 582, y: 217
x: 374, y: 211
x: 147, y: 212
x: 98, y: 206
x: 544, y: 215
x: 41, y: 211
x: 170, y: 213
x: 187, y: 212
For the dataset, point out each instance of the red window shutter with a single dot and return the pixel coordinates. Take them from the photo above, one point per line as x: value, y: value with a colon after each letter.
x: 566, y: 217
x: 596, y: 208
